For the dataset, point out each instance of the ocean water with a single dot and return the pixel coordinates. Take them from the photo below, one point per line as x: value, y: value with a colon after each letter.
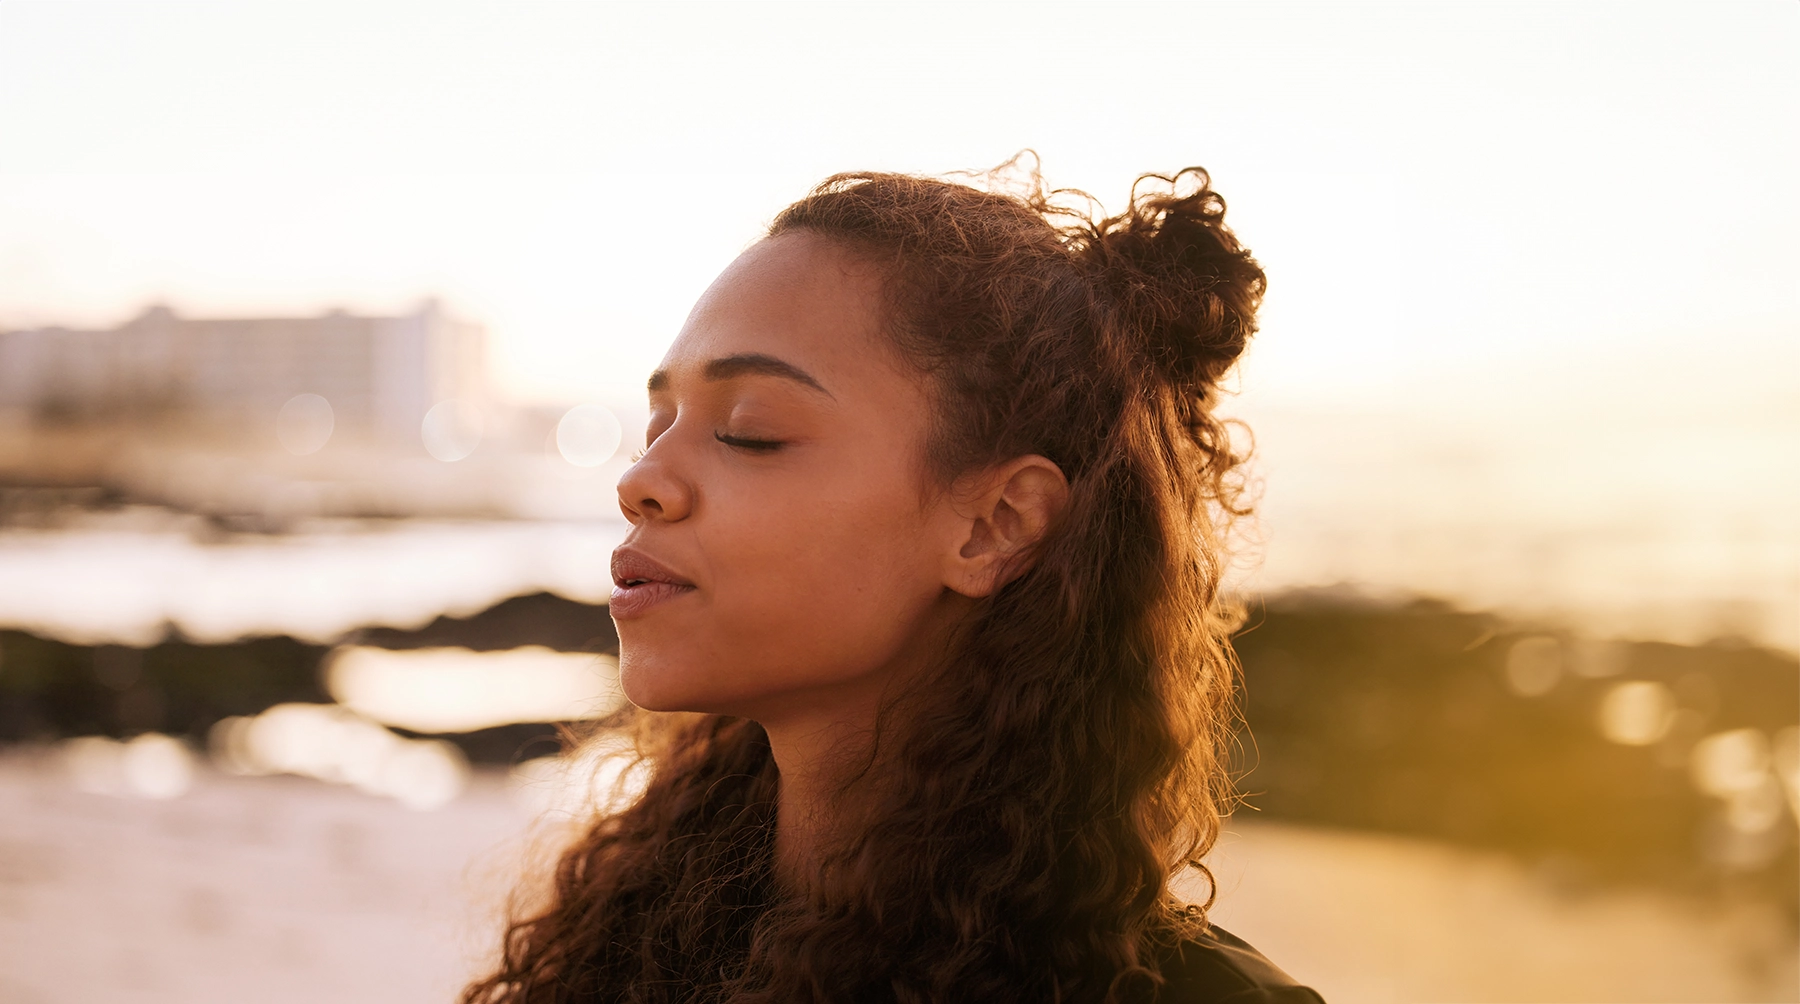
x: 1618, y: 520
x: 130, y: 576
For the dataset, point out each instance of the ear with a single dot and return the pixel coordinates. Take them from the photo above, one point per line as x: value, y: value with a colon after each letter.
x: 1003, y: 512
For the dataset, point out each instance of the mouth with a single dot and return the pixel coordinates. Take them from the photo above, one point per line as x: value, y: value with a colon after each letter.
x: 640, y: 583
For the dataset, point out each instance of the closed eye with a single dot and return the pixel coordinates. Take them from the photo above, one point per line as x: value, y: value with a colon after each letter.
x: 752, y: 445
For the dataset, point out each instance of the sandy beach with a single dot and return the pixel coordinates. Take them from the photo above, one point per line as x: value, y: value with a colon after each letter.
x: 279, y: 889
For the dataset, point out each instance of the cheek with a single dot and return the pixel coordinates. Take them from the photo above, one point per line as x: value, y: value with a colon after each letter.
x: 806, y: 591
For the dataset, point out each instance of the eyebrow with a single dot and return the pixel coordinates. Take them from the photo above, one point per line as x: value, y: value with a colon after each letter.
x: 749, y: 363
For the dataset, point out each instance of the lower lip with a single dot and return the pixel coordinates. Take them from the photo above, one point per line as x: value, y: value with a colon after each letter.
x: 635, y: 601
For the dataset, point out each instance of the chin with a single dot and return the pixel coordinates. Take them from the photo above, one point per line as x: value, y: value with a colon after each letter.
x: 645, y: 687
x: 657, y: 685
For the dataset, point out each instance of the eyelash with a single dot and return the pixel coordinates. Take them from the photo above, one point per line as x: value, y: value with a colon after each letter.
x: 752, y: 445
x: 735, y: 442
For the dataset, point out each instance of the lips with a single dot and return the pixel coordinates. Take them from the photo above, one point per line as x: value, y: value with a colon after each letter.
x: 641, y: 583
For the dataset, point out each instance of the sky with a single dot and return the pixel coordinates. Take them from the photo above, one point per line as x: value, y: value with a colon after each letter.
x: 1431, y: 186
x: 1553, y: 240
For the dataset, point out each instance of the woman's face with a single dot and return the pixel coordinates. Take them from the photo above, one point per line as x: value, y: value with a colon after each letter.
x: 785, y: 552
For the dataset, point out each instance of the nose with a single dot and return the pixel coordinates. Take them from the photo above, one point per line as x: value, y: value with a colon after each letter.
x: 652, y: 490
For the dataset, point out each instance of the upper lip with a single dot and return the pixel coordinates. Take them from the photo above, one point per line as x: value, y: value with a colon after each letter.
x: 630, y: 567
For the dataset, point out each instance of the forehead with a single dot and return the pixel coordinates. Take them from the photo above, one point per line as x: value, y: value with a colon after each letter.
x: 798, y: 297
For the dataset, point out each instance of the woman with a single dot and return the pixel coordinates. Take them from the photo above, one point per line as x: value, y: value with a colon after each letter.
x: 919, y: 612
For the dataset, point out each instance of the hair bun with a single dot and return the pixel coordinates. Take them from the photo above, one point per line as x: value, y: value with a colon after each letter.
x: 1178, y: 278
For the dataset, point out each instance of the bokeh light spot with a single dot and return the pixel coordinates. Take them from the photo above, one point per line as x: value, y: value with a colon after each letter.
x: 1534, y: 665
x: 1785, y: 758
x: 452, y: 430
x: 157, y: 766
x: 335, y: 744
x: 1755, y: 810
x: 152, y: 765
x: 304, y: 424
x: 1730, y: 763
x: 1637, y: 712
x: 588, y: 435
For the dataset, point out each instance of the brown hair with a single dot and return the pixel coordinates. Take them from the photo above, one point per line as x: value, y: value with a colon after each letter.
x: 1043, y: 787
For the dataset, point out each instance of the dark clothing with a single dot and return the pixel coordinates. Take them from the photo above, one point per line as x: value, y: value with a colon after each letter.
x: 1220, y: 968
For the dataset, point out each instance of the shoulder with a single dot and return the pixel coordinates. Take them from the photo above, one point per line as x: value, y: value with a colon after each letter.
x: 1218, y: 967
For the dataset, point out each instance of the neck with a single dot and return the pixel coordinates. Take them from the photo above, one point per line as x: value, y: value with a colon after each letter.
x: 815, y: 762
x: 823, y: 743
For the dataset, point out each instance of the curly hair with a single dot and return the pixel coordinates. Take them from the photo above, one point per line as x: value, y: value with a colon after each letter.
x: 1037, y: 793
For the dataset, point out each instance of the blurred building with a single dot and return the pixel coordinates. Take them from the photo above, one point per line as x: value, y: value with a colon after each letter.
x: 380, y: 375
x: 265, y: 422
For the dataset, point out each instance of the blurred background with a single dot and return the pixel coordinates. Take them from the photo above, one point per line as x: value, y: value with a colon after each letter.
x: 323, y: 330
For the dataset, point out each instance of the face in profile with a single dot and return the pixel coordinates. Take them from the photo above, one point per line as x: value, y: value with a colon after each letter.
x: 785, y: 543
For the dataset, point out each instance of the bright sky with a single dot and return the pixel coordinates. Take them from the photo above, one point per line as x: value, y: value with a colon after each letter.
x: 1518, y: 227
x: 1429, y: 184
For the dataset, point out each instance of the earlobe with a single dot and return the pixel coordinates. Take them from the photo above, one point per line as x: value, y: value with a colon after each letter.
x: 1009, y: 510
